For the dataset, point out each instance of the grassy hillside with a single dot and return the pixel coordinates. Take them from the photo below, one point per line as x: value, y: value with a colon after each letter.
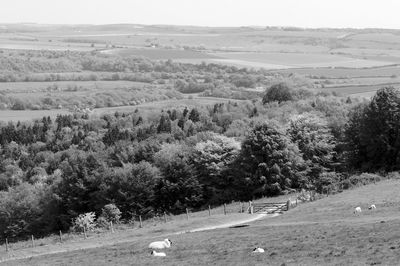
x: 317, y: 233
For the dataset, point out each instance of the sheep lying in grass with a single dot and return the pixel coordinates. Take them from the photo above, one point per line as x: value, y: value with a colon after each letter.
x: 258, y: 250
x: 372, y: 207
x: 158, y: 254
x: 357, y: 210
x: 161, y: 244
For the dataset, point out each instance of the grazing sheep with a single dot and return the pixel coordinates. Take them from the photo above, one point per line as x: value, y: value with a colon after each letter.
x: 158, y: 254
x: 357, y: 210
x: 258, y: 250
x: 372, y: 207
x: 161, y: 244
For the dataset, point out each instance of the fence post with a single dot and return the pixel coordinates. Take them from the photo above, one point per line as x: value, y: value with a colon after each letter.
x: 140, y: 222
x: 288, y: 204
x: 33, y: 241
x: 60, y: 237
x: 241, y: 207
x: 224, y: 208
x: 296, y: 202
x: 209, y: 210
x: 187, y: 214
x: 111, y: 227
x: 6, y: 244
x: 165, y: 217
x: 84, y: 231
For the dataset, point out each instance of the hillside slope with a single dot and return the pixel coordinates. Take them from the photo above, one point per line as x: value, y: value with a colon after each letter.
x: 325, y: 232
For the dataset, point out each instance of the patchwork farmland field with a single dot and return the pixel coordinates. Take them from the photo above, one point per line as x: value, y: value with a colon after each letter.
x: 166, y: 104
x: 161, y: 54
x: 297, y: 60
x: 29, y: 115
x: 35, y: 87
x: 81, y: 94
x: 270, y: 60
x: 150, y: 107
x: 340, y: 73
x: 319, y: 56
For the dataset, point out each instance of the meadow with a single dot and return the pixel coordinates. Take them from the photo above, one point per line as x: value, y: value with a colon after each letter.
x: 150, y: 107
x: 49, y: 86
x: 29, y: 115
x: 298, y: 60
x: 343, y: 73
x: 320, y: 232
x: 217, y: 216
x: 145, y: 109
x: 161, y: 54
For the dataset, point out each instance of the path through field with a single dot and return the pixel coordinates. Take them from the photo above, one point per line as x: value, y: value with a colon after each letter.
x: 231, y: 224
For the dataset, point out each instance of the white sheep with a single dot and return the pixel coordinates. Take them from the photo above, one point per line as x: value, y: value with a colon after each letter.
x: 258, y: 250
x: 357, y: 210
x: 161, y: 244
x: 372, y: 207
x: 158, y: 254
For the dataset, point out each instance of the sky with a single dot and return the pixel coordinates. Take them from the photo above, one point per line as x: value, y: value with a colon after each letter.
x: 300, y: 13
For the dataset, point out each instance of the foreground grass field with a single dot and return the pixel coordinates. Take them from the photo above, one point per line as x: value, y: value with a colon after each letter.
x: 218, y: 217
x: 325, y: 232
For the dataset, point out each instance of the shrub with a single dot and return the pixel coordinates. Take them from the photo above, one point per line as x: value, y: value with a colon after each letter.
x: 18, y: 105
x: 102, y: 222
x: 327, y: 182
x: 363, y: 179
x: 85, y: 221
x: 111, y: 213
x: 393, y: 175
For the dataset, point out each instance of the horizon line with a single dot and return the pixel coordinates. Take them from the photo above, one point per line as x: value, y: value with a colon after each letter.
x: 198, y: 26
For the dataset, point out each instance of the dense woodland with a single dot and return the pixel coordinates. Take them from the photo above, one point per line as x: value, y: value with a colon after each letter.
x: 52, y: 170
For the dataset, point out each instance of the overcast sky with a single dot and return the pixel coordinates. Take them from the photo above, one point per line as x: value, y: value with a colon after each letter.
x: 301, y: 13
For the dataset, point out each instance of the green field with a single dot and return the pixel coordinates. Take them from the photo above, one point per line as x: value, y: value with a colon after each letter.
x: 268, y: 60
x: 297, y: 60
x: 342, y: 73
x: 162, y: 54
x: 324, y: 232
x: 16, y: 87
x: 68, y: 96
x: 236, y: 213
x: 29, y: 115
x: 150, y: 107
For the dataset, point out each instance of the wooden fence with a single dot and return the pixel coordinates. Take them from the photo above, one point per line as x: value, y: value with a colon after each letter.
x: 269, y: 207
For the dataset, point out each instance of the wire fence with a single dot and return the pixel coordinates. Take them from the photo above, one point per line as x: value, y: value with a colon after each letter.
x: 13, y: 244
